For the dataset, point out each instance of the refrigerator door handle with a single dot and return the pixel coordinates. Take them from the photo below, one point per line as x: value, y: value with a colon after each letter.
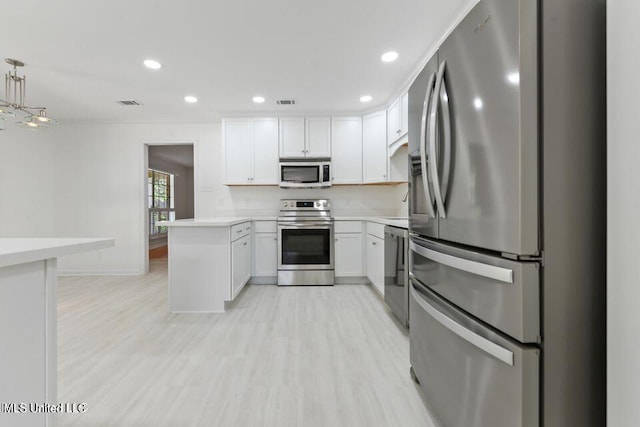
x: 446, y: 123
x: 433, y: 157
x: 471, y: 337
x: 423, y: 145
x: 479, y: 269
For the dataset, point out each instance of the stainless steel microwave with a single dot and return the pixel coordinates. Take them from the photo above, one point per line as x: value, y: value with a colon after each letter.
x: 305, y: 174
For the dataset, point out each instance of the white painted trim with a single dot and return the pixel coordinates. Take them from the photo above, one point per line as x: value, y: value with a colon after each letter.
x: 51, y: 336
x: 70, y: 273
x: 145, y: 143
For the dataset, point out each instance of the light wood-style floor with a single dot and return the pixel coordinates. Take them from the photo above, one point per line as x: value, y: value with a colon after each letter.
x: 298, y: 356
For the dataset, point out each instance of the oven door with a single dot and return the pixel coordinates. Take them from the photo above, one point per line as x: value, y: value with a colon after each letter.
x: 305, y: 246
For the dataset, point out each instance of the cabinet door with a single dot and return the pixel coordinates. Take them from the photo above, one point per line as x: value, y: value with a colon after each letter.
x: 374, y: 147
x: 318, y: 137
x: 375, y: 262
x: 291, y: 137
x: 404, y: 116
x: 348, y: 249
x: 240, y: 264
x: 236, y: 136
x: 265, y: 151
x: 266, y: 254
x: 394, y: 118
x: 346, y: 149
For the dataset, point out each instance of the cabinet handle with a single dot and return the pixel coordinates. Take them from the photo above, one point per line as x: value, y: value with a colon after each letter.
x: 374, y: 243
x: 239, y: 231
x: 399, y: 131
x: 244, y: 244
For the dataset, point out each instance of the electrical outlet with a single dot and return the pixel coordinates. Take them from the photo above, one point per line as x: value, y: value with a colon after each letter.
x: 206, y: 188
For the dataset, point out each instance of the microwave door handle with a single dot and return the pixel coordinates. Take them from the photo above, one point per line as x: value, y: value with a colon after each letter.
x: 489, y: 347
x: 423, y: 145
x: 433, y: 158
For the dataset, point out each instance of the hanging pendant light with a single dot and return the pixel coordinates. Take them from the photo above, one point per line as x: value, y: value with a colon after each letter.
x: 14, y: 102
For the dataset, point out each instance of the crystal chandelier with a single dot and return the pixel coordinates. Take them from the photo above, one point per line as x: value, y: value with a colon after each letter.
x: 14, y: 102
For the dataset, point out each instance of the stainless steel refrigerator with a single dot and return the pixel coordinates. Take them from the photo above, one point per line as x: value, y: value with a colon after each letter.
x: 507, y: 145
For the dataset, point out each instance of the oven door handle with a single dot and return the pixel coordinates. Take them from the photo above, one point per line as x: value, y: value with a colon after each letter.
x: 322, y: 225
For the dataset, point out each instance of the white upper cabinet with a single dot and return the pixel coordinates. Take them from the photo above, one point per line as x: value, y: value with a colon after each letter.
x: 394, y: 118
x: 404, y: 117
x: 250, y: 151
x: 398, y: 123
x: 265, y: 151
x: 237, y: 137
x: 302, y: 137
x: 346, y: 149
x: 317, y: 137
x: 374, y: 147
x: 292, y: 137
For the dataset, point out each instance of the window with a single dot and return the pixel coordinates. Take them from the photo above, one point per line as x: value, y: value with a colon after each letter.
x: 161, y: 201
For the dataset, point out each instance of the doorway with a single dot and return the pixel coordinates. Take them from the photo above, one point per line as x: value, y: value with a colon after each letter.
x: 169, y: 194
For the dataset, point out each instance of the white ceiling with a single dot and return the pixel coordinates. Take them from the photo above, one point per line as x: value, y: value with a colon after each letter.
x: 82, y: 56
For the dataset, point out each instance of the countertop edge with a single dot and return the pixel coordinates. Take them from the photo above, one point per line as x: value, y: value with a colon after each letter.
x: 46, y: 248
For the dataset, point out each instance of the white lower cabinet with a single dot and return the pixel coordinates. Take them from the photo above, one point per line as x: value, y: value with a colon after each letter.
x: 375, y: 262
x: 240, y: 264
x: 266, y: 255
x: 348, y: 255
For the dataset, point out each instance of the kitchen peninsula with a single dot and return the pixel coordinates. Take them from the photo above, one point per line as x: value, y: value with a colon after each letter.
x: 212, y: 259
x: 28, y: 298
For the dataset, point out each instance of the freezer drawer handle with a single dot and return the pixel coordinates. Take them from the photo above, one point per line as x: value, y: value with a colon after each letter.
x: 482, y: 343
x: 474, y: 267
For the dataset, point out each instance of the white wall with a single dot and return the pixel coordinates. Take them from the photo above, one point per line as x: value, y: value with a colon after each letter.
x: 26, y: 184
x: 623, y: 231
x: 89, y: 180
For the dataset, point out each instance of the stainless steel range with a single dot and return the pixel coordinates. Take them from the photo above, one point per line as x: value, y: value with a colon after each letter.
x: 305, y: 243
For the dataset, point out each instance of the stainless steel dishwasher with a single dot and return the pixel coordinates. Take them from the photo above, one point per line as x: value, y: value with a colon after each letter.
x: 396, y: 272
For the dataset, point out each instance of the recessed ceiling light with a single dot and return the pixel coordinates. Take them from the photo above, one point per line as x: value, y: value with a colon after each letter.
x: 389, y: 56
x: 153, y: 64
x: 258, y: 99
x: 365, y: 98
x: 191, y: 99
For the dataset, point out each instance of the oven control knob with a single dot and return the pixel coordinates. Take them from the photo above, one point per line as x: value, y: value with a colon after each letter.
x: 324, y: 204
x: 317, y: 204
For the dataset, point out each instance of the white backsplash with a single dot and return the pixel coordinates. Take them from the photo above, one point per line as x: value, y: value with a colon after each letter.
x: 357, y: 200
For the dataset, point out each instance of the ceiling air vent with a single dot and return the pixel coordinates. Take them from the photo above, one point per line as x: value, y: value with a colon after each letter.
x: 129, y: 102
x: 286, y: 102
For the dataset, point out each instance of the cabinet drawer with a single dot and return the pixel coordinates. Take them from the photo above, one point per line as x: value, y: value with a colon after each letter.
x: 240, y: 230
x: 348, y: 227
x: 265, y: 226
x: 375, y: 229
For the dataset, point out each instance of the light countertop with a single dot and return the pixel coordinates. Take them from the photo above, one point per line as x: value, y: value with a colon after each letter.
x: 22, y: 250
x: 229, y: 221
x: 206, y: 222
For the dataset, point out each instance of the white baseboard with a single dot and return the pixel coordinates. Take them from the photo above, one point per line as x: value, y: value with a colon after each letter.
x: 100, y: 273
x: 264, y: 280
x: 356, y: 280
